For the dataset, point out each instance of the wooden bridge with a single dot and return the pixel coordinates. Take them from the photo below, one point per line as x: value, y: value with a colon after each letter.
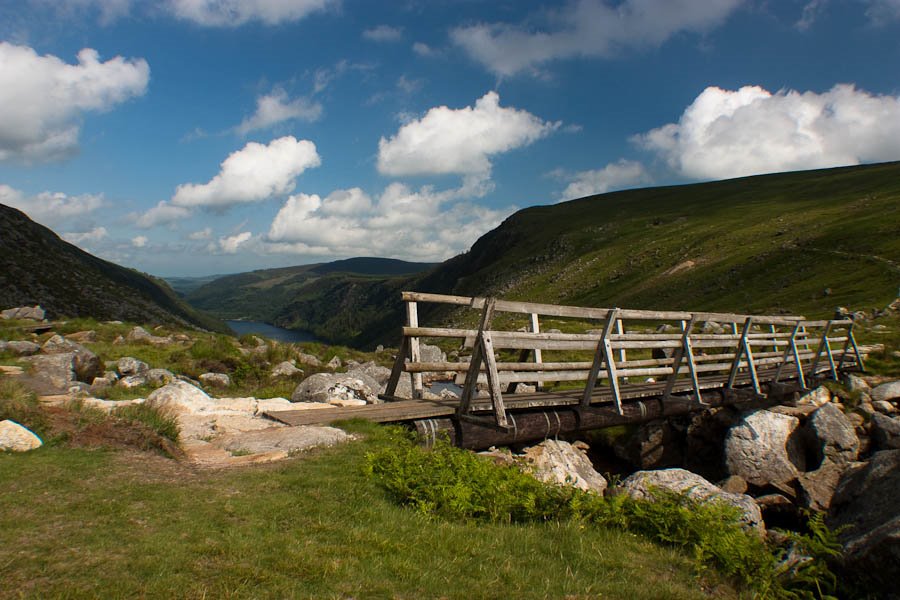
x: 609, y: 366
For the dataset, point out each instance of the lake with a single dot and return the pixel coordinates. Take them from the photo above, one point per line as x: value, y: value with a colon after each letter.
x: 265, y: 330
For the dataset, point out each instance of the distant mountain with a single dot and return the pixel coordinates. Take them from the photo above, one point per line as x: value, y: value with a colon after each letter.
x: 37, y: 267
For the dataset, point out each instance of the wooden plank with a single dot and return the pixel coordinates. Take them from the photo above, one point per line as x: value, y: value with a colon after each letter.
x: 399, y: 364
x: 468, y: 391
x: 493, y: 380
x: 412, y: 320
x: 599, y: 357
x: 739, y: 354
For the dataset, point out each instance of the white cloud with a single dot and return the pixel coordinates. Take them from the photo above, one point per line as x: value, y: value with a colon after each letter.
x: 107, y: 10
x: 51, y: 208
x: 811, y: 12
x: 232, y: 13
x: 587, y: 28
x: 424, y: 50
x: 881, y: 11
x: 423, y: 224
x: 459, y: 141
x: 161, y: 214
x: 139, y: 241
x: 231, y: 243
x: 42, y: 98
x: 203, y: 234
x: 276, y: 107
x: 614, y: 176
x: 87, y: 237
x: 383, y: 33
x: 727, y: 133
x: 254, y: 173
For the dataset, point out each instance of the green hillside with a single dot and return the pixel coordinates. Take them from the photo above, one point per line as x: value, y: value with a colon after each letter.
x: 37, y: 267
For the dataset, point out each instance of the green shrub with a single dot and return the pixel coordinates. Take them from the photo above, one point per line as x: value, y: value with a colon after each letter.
x: 158, y: 420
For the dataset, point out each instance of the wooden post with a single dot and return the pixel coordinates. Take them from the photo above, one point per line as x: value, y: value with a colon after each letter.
x: 538, y: 355
x: 792, y: 348
x: 859, y: 360
x: 402, y: 355
x: 686, y: 348
x: 471, y: 384
x: 742, y: 348
x: 822, y: 345
x: 774, y: 339
x: 604, y: 354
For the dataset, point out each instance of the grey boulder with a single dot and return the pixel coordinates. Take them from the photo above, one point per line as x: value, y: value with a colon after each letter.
x: 763, y: 449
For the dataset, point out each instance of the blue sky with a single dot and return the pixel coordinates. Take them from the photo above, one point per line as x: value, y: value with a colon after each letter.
x: 189, y: 137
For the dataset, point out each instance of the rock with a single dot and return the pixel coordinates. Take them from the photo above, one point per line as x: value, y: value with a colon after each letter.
x: 817, y: 487
x: 180, y: 398
x: 733, y: 485
x: 429, y: 353
x: 119, y: 341
x: 886, y: 391
x: 706, y: 431
x: 334, y: 363
x: 85, y: 363
x: 264, y: 405
x: 308, y: 359
x: 287, y: 439
x: 219, y: 380
x: 101, y: 383
x: 33, y: 313
x: 336, y: 388
x: 285, y: 369
x: 20, y: 348
x: 373, y: 370
x: 834, y: 435
x: 56, y: 369
x: 855, y: 383
x: 160, y: 377
x: 763, y: 449
x: 555, y: 461
x: 653, y: 445
x: 16, y: 438
x: 885, y: 432
x: 640, y: 485
x: 83, y: 336
x: 139, y: 334
x: 131, y: 381
x: 57, y: 344
x: 866, y: 501
x: 128, y: 365
x: 817, y: 397
x: 379, y: 348
x: 884, y: 407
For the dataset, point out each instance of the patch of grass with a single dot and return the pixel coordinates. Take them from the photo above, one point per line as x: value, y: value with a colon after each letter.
x: 115, y: 392
x: 107, y: 524
x: 19, y: 404
x: 160, y: 421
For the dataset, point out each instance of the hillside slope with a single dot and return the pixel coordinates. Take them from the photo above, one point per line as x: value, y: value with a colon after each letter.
x: 37, y: 267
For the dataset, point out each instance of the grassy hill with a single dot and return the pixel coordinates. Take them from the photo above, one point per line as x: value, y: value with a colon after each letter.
x: 37, y: 267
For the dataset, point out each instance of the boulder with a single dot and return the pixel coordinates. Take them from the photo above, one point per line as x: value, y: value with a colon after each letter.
x: 16, y: 438
x: 334, y: 363
x: 640, y: 485
x: 885, y: 432
x: 555, y: 461
x: 101, y: 383
x: 219, y: 380
x: 884, y: 407
x: 160, y: 377
x: 429, y: 353
x: 817, y: 487
x: 703, y: 444
x: 34, y: 313
x: 264, y: 405
x: 866, y: 501
x: 733, y: 484
x: 130, y: 381
x: 373, y: 370
x: 308, y: 359
x: 763, y: 449
x: 834, y: 435
x: 180, y: 398
x: 287, y: 439
x: 817, y: 397
x: 653, y: 445
x: 285, y: 369
x: 855, y: 383
x: 19, y: 347
x: 336, y: 388
x: 64, y: 369
x: 886, y: 391
x: 86, y: 364
x: 139, y: 334
x: 128, y: 365
x: 83, y: 336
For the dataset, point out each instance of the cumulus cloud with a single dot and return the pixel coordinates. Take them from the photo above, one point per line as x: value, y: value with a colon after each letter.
x: 424, y: 50
x: 232, y: 13
x: 42, y: 98
x: 882, y: 11
x: 276, y: 107
x: 231, y: 243
x: 203, y: 234
x: 459, y: 141
x: 614, y: 176
x: 139, y: 241
x: 726, y: 133
x: 253, y: 173
x: 51, y: 208
x: 587, y: 28
x: 383, y: 33
x: 401, y: 222
x: 161, y: 214
x: 86, y: 237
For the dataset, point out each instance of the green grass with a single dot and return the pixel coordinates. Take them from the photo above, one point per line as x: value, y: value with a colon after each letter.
x: 79, y: 524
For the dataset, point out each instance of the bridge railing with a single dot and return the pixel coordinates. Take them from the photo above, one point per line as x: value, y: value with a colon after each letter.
x: 684, y: 352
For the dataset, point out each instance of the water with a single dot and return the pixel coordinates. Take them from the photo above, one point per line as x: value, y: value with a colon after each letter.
x: 265, y: 330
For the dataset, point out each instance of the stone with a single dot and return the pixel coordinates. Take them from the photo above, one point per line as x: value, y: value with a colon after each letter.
x: 287, y: 439
x: 57, y: 344
x: 285, y: 369
x: 85, y: 363
x: 16, y: 438
x: 101, y: 383
x: 139, y: 334
x: 264, y: 405
x: 20, y: 347
x: 83, y: 336
x: 705, y: 433
x: 855, y: 383
x: 653, y: 445
x: 733, y: 485
x: 334, y: 363
x: 219, y: 380
x: 119, y: 341
x: 33, y: 313
x: 885, y: 432
x: 131, y: 381
x: 834, y: 435
x: 180, y: 398
x: 886, y: 391
x: 558, y: 462
x: 817, y: 487
x: 373, y: 370
x: 308, y: 359
x: 866, y: 501
x: 429, y: 353
x: 58, y: 370
x: 159, y: 377
x: 763, y: 449
x: 640, y: 485
x: 884, y: 407
x: 336, y: 387
x: 128, y: 365
x: 817, y: 397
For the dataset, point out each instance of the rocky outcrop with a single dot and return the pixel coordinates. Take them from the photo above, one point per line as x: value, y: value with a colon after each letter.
x: 32, y: 313
x: 817, y: 487
x: 885, y: 432
x: 559, y: 462
x: 640, y: 485
x: 19, y: 347
x: 763, y: 448
x: 180, y: 398
x: 85, y: 364
x: 128, y: 365
x: 834, y: 435
x: 341, y: 389
x: 308, y: 359
x: 286, y: 439
x: 866, y: 503
x: 16, y: 438
x: 141, y: 335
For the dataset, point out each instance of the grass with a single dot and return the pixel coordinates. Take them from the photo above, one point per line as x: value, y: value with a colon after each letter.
x: 112, y: 524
